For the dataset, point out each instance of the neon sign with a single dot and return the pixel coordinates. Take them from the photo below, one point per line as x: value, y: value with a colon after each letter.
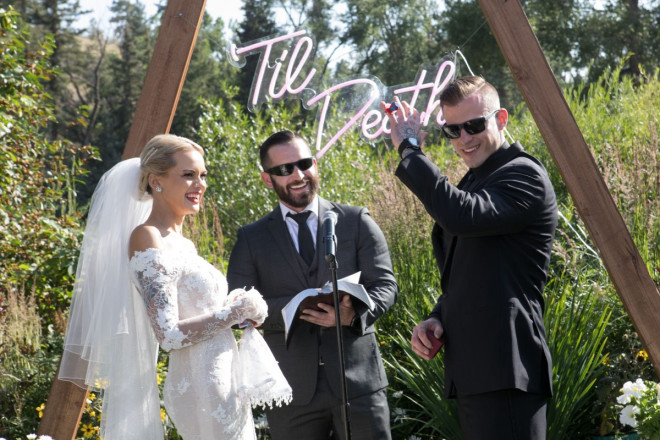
x: 282, y: 72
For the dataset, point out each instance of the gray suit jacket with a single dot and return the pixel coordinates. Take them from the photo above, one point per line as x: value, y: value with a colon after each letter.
x: 264, y: 258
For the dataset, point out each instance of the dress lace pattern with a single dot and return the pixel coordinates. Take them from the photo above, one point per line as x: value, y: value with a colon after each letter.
x: 192, y: 313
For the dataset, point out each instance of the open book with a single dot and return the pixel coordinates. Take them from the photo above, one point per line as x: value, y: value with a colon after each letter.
x: 309, y: 298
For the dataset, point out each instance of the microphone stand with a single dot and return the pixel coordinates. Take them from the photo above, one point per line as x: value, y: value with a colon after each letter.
x: 331, y: 259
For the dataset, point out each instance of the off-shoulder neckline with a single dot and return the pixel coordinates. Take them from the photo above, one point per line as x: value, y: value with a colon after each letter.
x: 167, y: 237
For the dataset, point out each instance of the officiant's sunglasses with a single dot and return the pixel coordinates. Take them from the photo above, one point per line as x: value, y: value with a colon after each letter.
x: 473, y: 126
x: 287, y: 168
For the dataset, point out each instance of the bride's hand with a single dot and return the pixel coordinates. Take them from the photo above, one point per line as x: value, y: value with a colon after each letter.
x: 253, y: 306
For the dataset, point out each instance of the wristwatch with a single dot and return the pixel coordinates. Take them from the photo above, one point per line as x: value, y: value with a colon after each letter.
x: 409, y: 143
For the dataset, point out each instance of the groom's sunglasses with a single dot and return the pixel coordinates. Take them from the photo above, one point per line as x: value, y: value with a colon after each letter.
x: 473, y: 126
x: 287, y: 168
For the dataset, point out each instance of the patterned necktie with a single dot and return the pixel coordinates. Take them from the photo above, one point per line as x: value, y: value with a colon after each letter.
x: 305, y: 240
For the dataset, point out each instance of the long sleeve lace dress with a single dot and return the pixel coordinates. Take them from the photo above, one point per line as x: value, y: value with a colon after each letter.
x: 192, y: 313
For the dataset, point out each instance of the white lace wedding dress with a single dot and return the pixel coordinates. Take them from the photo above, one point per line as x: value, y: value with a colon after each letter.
x: 191, y: 314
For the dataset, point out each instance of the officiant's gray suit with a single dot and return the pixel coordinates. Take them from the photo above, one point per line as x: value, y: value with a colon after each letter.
x: 264, y: 257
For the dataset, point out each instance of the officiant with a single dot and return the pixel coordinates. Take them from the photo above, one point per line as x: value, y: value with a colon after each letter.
x: 280, y: 255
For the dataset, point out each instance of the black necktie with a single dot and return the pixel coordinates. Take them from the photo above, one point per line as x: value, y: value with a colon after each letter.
x: 305, y: 240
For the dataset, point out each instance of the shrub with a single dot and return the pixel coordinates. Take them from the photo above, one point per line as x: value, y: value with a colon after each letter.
x: 39, y: 222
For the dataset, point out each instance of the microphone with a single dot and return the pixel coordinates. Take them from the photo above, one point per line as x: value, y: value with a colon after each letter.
x: 329, y: 239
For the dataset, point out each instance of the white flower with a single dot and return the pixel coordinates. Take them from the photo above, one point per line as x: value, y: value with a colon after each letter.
x: 627, y: 416
x: 397, y: 394
x: 623, y: 399
x: 634, y: 389
x: 32, y: 436
x: 45, y: 437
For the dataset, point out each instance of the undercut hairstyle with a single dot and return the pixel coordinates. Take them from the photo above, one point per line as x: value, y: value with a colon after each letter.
x: 281, y: 137
x: 157, y: 157
x: 464, y: 86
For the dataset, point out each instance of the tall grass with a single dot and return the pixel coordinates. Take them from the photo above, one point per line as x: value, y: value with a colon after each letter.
x: 26, y: 361
x: 576, y: 325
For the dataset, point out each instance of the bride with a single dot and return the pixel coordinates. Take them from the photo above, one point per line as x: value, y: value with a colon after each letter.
x: 141, y: 283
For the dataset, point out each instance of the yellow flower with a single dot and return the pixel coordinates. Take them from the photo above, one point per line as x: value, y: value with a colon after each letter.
x: 41, y: 408
x: 91, y: 397
x: 88, y: 430
x: 92, y: 413
x: 159, y: 379
x: 642, y: 354
x: 163, y: 415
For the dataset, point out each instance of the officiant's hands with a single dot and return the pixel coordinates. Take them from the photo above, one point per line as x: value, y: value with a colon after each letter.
x: 325, y: 315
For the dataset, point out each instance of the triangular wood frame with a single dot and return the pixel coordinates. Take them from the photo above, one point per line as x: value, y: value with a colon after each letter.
x: 546, y: 102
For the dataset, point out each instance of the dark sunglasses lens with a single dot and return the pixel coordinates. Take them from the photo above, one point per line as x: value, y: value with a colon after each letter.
x: 287, y: 168
x: 475, y: 126
x: 452, y: 131
x: 304, y: 164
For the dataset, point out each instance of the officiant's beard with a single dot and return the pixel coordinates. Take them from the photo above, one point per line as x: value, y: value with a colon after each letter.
x: 294, y: 199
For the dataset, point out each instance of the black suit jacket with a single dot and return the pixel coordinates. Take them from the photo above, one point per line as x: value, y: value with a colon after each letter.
x: 264, y: 257
x: 492, y: 240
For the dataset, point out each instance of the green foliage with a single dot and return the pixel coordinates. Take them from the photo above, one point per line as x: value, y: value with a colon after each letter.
x: 39, y: 226
x: 421, y: 383
x: 209, y: 75
x: 576, y: 326
x: 374, y: 30
x: 28, y: 361
x: 622, y: 134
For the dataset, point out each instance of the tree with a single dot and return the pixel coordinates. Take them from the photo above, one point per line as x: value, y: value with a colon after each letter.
x: 39, y: 225
x: 257, y: 23
x: 317, y: 17
x: 622, y: 31
x: 392, y: 39
x: 120, y: 80
x: 466, y: 29
x: 57, y: 18
x: 210, y: 76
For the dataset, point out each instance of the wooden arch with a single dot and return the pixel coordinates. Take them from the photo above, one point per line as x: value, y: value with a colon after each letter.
x: 546, y: 102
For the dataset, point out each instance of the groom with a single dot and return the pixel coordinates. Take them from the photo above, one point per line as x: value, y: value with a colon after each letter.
x: 282, y: 254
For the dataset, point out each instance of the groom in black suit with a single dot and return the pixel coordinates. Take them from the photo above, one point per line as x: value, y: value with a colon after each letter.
x: 492, y: 240
x: 282, y: 254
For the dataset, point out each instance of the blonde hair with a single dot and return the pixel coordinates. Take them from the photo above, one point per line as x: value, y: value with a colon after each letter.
x: 464, y: 86
x: 157, y: 157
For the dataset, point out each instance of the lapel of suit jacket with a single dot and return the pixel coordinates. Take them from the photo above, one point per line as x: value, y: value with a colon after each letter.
x: 323, y: 273
x: 282, y: 239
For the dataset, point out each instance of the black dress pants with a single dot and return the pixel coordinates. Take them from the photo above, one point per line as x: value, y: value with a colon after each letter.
x: 321, y: 419
x: 503, y: 415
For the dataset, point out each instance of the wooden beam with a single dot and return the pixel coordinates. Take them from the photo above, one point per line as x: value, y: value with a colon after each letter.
x: 155, y: 110
x: 583, y: 179
x: 64, y: 409
x: 166, y: 73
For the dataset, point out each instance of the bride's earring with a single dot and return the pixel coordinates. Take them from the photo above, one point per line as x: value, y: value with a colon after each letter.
x: 159, y: 189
